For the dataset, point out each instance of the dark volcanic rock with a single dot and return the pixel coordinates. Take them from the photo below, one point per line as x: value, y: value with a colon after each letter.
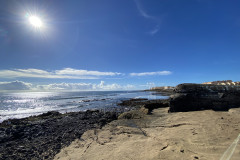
x: 43, y: 136
x: 133, y: 102
x: 149, y: 105
x: 158, y: 103
x: 193, y: 97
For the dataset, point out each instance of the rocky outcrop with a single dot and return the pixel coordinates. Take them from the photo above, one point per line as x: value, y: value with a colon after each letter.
x: 144, y: 110
x: 134, y: 114
x: 141, y: 107
x: 149, y: 104
x: 193, y: 97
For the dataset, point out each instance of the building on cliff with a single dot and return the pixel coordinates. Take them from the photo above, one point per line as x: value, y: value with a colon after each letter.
x: 224, y: 82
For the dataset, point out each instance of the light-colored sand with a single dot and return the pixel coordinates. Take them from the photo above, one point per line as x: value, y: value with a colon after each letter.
x: 204, y: 135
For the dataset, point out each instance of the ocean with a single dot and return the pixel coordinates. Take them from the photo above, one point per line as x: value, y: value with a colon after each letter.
x: 25, y: 104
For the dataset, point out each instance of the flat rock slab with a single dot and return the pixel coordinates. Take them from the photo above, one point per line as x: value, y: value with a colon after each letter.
x: 182, y: 135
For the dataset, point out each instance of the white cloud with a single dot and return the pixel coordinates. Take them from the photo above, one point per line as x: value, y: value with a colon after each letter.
x: 142, y: 11
x: 65, y: 86
x: 144, y: 14
x: 71, y: 71
x: 148, y: 85
x: 15, y: 85
x: 84, y: 86
x: 151, y: 73
x: 19, y: 85
x: 103, y: 86
x: 155, y: 30
x: 66, y: 73
x: 32, y: 70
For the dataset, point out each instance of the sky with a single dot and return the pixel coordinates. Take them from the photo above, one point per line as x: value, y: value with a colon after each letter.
x: 117, y: 45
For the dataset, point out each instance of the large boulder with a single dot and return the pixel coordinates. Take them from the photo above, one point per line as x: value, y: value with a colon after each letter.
x: 134, y: 114
x: 193, y: 97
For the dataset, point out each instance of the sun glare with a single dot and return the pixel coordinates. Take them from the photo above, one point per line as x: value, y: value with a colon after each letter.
x: 35, y: 21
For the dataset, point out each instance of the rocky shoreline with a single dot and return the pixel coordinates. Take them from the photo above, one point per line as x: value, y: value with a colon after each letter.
x: 43, y: 136
x: 152, y: 131
x: 203, y: 135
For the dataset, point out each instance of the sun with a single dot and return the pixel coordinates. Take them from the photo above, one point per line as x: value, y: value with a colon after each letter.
x: 35, y: 21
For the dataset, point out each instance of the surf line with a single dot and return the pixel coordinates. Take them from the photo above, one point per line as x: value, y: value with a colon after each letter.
x: 229, y: 152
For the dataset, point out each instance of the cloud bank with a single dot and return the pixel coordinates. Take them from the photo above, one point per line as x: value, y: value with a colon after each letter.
x: 15, y: 85
x: 151, y: 73
x: 19, y: 85
x: 66, y: 73
x: 70, y: 73
x: 84, y: 86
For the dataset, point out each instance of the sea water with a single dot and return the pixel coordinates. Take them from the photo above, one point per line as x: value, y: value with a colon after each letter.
x: 25, y: 104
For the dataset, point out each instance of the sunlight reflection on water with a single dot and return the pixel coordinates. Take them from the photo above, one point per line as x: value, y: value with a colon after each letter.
x: 19, y: 105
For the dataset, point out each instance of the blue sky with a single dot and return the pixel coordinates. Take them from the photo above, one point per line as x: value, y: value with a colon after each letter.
x: 112, y: 44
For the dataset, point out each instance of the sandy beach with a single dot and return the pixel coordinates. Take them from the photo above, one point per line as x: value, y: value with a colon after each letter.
x: 204, y: 135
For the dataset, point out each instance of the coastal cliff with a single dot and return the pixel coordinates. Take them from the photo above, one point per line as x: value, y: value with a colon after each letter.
x: 192, y: 97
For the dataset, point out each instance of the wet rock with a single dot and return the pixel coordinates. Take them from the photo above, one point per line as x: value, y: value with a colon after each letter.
x: 50, y: 113
x: 43, y: 136
x: 133, y: 102
x: 158, y: 103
